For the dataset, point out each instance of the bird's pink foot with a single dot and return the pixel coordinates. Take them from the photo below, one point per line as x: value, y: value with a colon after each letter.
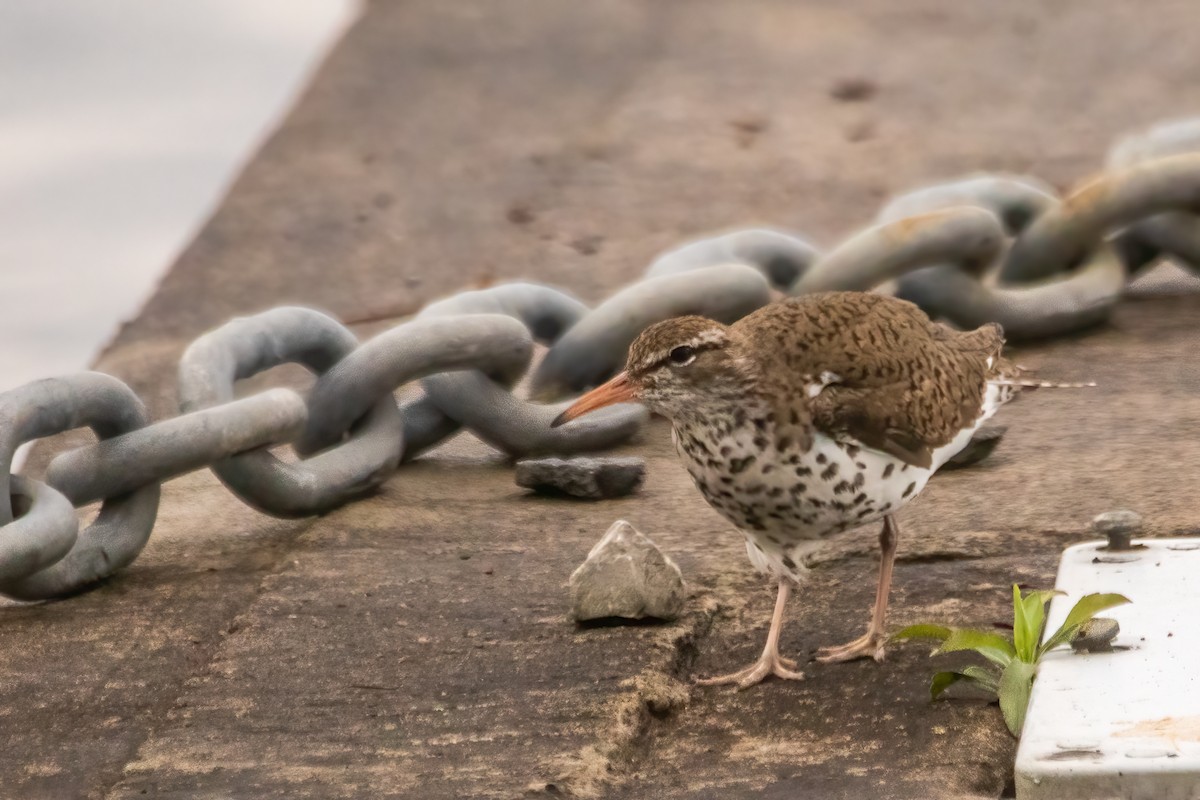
x: 869, y: 645
x: 766, y: 665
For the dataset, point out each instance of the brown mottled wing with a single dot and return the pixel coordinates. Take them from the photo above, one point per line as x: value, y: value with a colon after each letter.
x: 906, y: 387
x: 848, y: 413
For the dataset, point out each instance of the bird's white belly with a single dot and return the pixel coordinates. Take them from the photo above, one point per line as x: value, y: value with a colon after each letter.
x: 786, y: 502
x: 793, y: 495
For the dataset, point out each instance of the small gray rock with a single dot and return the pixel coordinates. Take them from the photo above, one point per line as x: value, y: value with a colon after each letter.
x: 1095, y: 635
x: 626, y: 576
x: 980, y: 447
x: 1119, y: 527
x: 590, y: 477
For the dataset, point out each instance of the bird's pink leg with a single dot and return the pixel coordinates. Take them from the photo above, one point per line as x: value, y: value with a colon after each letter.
x: 770, y: 662
x: 871, y: 643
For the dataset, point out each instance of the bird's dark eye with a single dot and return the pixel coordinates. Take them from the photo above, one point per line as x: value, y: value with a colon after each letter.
x: 681, y: 355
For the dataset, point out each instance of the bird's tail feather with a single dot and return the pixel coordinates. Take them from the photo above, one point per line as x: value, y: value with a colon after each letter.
x: 1028, y: 384
x: 1006, y: 373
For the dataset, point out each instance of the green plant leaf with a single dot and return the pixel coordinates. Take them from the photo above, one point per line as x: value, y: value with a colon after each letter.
x: 992, y: 646
x: 1015, y: 684
x: 1061, y: 636
x: 943, y: 681
x: 983, y: 678
x: 1020, y: 622
x: 1029, y: 617
x: 939, y: 632
x: 1035, y: 621
x: 1088, y: 606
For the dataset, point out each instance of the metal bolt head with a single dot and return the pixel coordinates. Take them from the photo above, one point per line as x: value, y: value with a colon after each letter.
x: 1119, y: 527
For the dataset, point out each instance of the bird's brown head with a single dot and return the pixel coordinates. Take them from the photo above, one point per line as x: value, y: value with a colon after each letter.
x: 678, y: 367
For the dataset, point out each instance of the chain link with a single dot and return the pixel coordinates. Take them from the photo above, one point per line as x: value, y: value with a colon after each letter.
x: 248, y: 345
x: 491, y: 411
x: 174, y: 447
x: 1061, y: 237
x: 969, y: 238
x: 986, y: 248
x: 497, y: 344
x: 970, y: 299
x: 122, y: 528
x: 781, y: 257
x: 44, y: 530
x: 1174, y: 234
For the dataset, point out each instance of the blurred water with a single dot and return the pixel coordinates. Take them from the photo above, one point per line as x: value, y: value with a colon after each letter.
x: 121, y: 124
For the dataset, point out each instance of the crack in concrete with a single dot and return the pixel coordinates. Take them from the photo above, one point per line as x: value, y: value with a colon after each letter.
x: 655, y: 695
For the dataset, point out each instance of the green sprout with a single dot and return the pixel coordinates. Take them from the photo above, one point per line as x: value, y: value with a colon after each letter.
x: 1015, y: 662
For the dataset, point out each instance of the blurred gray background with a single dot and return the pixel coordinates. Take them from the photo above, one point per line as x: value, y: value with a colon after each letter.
x: 121, y: 124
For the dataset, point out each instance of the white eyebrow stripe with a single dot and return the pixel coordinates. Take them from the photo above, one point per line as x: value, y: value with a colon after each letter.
x: 708, y: 337
x: 703, y: 340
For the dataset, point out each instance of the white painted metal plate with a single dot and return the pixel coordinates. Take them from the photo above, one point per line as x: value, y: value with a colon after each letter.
x: 1124, y: 724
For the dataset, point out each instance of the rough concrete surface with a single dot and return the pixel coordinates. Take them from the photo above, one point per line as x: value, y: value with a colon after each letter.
x: 415, y: 643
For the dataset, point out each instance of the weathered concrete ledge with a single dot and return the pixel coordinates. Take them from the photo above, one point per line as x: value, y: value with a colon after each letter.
x: 415, y: 644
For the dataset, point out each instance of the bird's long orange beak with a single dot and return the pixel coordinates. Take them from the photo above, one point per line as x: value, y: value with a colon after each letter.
x: 617, y: 390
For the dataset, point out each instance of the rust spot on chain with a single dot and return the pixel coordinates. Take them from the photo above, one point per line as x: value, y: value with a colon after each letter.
x: 909, y: 228
x: 1088, y: 196
x: 398, y: 311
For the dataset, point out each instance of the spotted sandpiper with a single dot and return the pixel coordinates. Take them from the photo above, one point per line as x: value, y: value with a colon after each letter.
x: 812, y: 416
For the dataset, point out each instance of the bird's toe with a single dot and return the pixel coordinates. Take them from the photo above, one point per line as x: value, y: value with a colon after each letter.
x: 756, y: 673
x: 867, y: 646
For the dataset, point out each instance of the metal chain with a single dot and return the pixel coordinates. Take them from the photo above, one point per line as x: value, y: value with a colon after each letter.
x: 1175, y: 234
x: 985, y: 248
x: 46, y: 408
x: 595, y: 347
x: 246, y: 346
x: 969, y: 298
x: 781, y: 257
x: 491, y: 411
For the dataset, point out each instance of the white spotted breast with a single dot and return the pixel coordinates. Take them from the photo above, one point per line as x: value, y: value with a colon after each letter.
x: 787, y: 500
